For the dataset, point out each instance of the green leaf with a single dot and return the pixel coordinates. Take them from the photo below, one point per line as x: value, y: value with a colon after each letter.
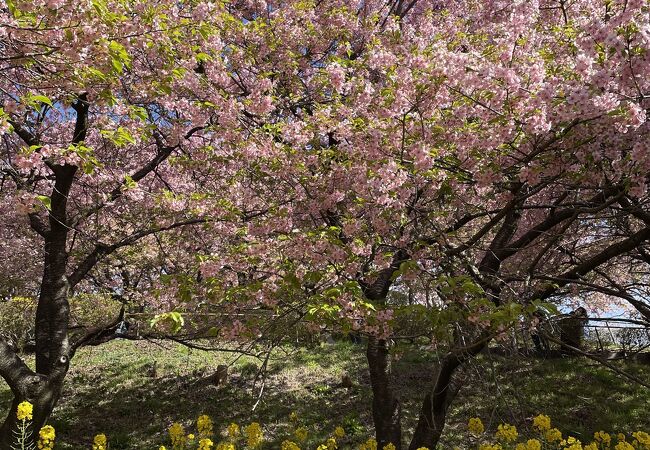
x: 46, y: 201
x: 41, y: 99
x: 119, y: 56
x: 173, y: 319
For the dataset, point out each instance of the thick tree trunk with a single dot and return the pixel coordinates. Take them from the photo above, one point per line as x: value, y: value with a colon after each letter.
x: 44, y: 396
x: 42, y: 388
x: 386, y: 408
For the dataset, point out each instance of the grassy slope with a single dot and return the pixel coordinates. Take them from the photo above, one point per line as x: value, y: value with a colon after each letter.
x: 109, y: 391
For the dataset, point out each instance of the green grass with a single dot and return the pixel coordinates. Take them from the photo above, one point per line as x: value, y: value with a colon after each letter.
x: 109, y: 390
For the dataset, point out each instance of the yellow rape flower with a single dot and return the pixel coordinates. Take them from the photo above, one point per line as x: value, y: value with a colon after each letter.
x: 293, y: 417
x: 46, y: 437
x: 233, y: 430
x: 389, y: 446
x: 506, y: 432
x: 602, y: 437
x: 162, y: 447
x: 370, y: 444
x: 592, y: 446
x: 331, y: 444
x: 571, y: 443
x: 643, y: 438
x: 339, y: 432
x: 490, y: 447
x: 553, y: 435
x: 475, y: 426
x: 25, y: 411
x: 204, y: 426
x: 533, y: 444
x: 300, y: 434
x: 99, y: 443
x: 574, y: 446
x: 288, y: 445
x: 205, y: 444
x: 225, y: 446
x: 542, y: 423
x: 424, y: 448
x: 254, y: 436
x: 622, y: 445
x: 177, y: 435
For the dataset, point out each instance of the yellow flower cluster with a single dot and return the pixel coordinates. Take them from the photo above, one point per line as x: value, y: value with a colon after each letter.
x: 490, y: 447
x: 177, y: 435
x: 475, y: 426
x: 301, y: 434
x: 506, y: 433
x: 46, y: 438
x: 571, y: 443
x: 603, y: 438
x: 293, y: 417
x: 289, y: 445
x: 643, y: 439
x: 233, y: 431
x: 553, y: 435
x: 204, y: 425
x: 370, y: 444
x: 25, y: 411
x: 99, y: 443
x: 205, y: 444
x: 254, y: 436
x: 542, y: 423
x: 531, y: 444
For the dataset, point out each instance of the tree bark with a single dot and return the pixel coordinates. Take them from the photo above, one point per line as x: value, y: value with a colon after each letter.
x: 433, y: 412
x: 42, y: 387
x: 386, y: 408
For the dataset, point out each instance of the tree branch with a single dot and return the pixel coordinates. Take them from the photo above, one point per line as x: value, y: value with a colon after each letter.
x: 592, y: 263
x: 101, y: 250
x: 12, y: 368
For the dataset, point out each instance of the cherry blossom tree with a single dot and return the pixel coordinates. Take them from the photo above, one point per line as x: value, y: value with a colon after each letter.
x: 304, y: 157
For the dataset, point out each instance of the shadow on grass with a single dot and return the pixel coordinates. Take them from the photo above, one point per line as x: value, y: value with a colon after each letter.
x: 110, y: 390
x: 579, y: 395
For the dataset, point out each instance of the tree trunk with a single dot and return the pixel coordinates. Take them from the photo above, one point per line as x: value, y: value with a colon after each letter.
x: 386, y: 408
x: 433, y: 412
x: 42, y: 388
x: 435, y: 405
x: 45, y: 393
